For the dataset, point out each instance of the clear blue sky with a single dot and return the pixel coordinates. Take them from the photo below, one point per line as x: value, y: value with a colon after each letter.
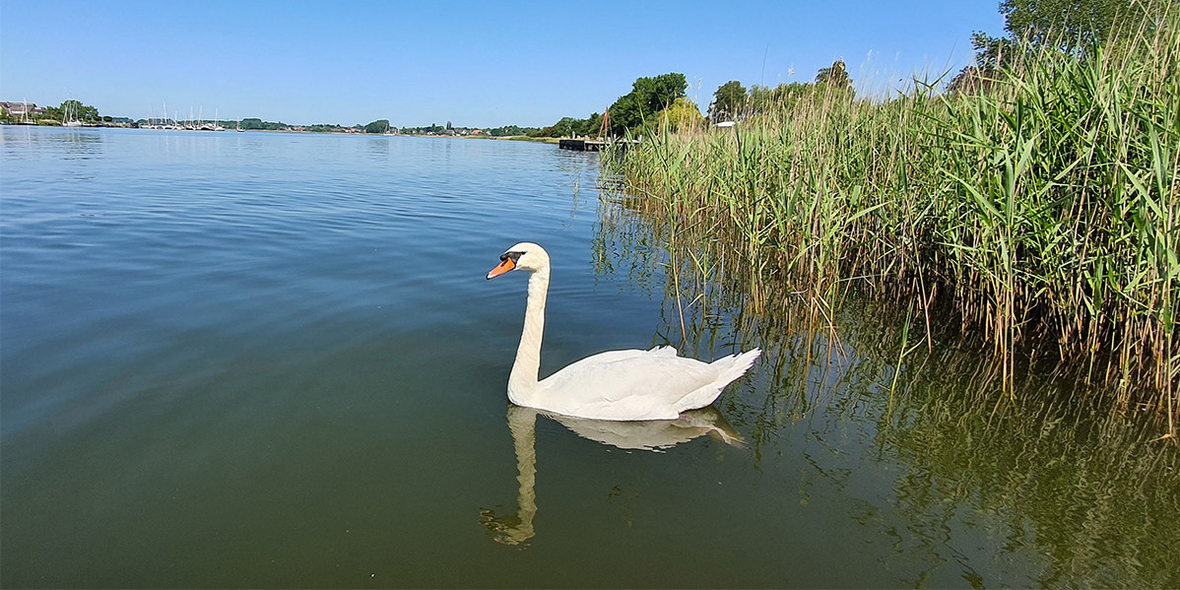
x: 472, y: 63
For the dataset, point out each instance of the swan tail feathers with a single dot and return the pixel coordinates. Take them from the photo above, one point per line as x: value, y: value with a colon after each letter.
x: 730, y: 369
x: 736, y: 365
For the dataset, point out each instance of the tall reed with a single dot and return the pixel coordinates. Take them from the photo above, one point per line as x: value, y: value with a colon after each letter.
x: 1042, y: 212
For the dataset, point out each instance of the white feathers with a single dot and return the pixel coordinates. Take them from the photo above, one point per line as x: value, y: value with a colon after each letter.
x: 615, y: 385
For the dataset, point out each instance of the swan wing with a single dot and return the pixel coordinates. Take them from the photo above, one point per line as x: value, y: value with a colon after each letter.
x: 636, y: 385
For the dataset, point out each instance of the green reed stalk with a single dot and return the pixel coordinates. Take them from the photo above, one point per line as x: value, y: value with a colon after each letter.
x: 1042, y: 211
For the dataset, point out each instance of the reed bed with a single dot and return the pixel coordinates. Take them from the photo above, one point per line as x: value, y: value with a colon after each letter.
x: 1041, y: 212
x: 1054, y: 469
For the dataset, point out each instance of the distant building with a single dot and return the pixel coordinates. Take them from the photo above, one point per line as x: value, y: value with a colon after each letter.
x: 21, y: 109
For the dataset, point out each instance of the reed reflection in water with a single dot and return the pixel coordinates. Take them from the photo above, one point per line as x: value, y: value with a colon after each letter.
x: 1038, y: 486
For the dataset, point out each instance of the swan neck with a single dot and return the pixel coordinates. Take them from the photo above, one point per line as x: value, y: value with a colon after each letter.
x: 526, y: 370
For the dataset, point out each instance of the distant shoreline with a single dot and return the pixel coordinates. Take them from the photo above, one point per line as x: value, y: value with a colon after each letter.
x: 549, y: 140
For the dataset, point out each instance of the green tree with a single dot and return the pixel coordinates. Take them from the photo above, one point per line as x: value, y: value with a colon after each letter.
x: 1068, y: 24
x: 989, y: 53
x: 681, y: 114
x: 834, y: 77
x: 507, y: 131
x: 378, y: 126
x: 648, y: 96
x: 565, y: 127
x: 593, y: 127
x: 660, y: 91
x: 570, y: 127
x: 780, y: 98
x: 729, y: 101
x: 557, y: 129
x: 623, y: 114
x: 74, y: 110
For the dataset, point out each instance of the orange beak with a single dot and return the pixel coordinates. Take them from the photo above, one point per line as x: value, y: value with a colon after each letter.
x: 505, y: 265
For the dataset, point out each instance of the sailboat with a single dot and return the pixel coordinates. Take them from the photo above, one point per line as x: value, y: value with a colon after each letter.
x: 24, y: 117
x: 70, y: 118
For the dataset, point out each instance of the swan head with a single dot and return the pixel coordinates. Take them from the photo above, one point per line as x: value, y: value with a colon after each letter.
x: 524, y: 256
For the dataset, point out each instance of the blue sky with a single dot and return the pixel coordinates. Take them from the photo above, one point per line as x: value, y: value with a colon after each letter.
x: 471, y: 63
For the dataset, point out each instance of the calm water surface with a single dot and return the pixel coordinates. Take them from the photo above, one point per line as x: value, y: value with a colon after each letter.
x: 251, y: 359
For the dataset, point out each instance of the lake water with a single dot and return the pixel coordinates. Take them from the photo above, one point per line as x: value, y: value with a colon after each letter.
x: 272, y: 360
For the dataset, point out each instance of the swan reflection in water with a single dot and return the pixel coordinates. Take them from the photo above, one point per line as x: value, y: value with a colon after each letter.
x: 652, y: 435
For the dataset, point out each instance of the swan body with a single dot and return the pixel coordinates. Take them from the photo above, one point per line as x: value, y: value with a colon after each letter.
x: 651, y: 384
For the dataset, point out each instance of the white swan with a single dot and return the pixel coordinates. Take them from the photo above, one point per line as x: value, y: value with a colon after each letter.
x: 616, y: 385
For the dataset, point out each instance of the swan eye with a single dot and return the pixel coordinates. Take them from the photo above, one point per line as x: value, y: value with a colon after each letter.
x: 515, y: 256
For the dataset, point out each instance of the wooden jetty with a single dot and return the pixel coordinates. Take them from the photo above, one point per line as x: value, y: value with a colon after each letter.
x: 581, y: 145
x: 590, y: 145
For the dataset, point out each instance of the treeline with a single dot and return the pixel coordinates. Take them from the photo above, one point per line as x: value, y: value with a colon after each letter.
x: 72, y: 109
x: 76, y: 111
x: 659, y: 102
x: 449, y: 129
x: 733, y: 102
x: 653, y: 102
x: 256, y: 124
x: 572, y: 127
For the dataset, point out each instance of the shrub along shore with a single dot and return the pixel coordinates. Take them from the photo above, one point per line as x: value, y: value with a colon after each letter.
x: 1040, y: 207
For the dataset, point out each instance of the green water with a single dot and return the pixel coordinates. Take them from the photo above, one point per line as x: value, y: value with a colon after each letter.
x: 272, y: 360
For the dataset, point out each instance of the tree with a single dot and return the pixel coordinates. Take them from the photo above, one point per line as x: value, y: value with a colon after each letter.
x: 834, y: 77
x: 566, y: 126
x: 624, y: 114
x: 73, y: 110
x: 657, y: 93
x: 570, y: 127
x: 648, y: 96
x: 680, y: 115
x: 780, y: 98
x: 1066, y: 24
x: 508, y: 130
x: 728, y: 102
x: 594, y: 125
x: 378, y: 126
x: 989, y: 53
